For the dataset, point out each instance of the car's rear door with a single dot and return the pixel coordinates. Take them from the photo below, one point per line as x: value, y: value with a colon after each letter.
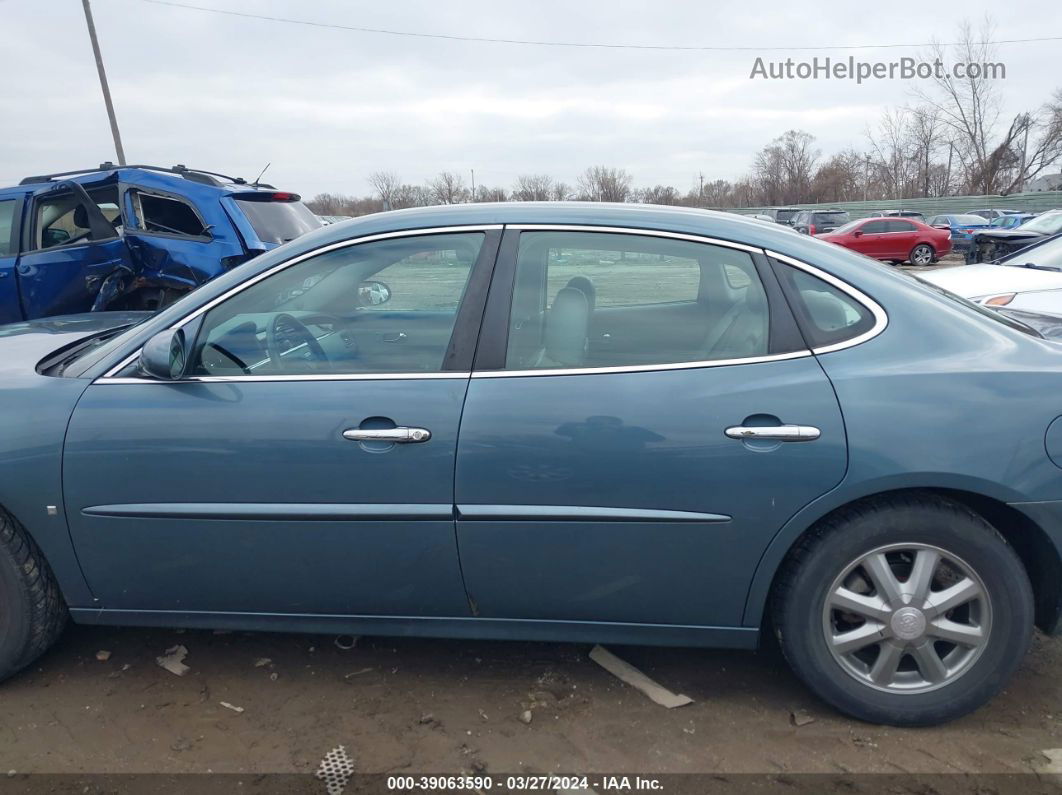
x: 10, y: 225
x: 175, y: 244
x: 290, y: 472
x: 603, y: 480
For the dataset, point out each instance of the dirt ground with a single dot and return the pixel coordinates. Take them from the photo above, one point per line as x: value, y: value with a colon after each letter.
x: 413, y: 706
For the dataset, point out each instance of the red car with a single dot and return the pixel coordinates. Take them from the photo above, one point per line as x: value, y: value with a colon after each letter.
x: 893, y: 239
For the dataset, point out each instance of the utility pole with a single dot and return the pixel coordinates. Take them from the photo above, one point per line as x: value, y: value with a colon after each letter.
x: 103, y: 84
x: 473, y: 184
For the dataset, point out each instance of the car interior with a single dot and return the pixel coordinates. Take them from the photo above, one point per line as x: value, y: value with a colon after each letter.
x: 387, y: 306
x: 62, y: 219
x: 601, y: 300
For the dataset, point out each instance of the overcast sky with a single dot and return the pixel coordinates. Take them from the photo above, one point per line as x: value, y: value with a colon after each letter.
x: 328, y: 107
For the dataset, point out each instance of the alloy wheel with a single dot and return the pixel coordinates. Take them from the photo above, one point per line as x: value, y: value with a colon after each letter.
x: 922, y: 255
x: 907, y: 618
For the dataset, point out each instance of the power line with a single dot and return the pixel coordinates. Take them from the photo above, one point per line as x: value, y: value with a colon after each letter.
x: 574, y: 44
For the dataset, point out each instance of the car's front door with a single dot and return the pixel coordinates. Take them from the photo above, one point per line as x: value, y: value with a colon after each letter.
x: 874, y: 240
x: 74, y: 258
x: 637, y: 429
x: 300, y: 466
x: 10, y: 224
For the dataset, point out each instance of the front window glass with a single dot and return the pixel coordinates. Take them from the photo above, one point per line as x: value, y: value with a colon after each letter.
x: 875, y: 227
x: 63, y: 220
x: 584, y: 299
x: 381, y: 307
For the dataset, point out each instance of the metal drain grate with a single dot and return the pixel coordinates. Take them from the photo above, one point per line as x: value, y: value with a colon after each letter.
x: 335, y: 770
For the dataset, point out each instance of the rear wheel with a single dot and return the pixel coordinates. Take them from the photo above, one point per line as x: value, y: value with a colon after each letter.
x: 922, y: 254
x: 908, y: 611
x: 32, y: 613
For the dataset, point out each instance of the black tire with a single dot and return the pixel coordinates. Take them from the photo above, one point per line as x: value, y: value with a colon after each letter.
x: 32, y: 613
x: 914, y: 252
x: 799, y: 598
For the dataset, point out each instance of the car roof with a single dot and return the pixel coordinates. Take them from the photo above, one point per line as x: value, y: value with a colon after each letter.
x: 178, y: 178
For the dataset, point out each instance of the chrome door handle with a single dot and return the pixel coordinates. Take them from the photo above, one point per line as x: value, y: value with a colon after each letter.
x: 779, y: 433
x: 393, y: 435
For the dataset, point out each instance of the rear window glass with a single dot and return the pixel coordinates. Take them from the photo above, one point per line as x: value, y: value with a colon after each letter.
x: 967, y: 219
x: 827, y: 315
x: 831, y: 218
x: 277, y: 221
x: 784, y: 215
x: 168, y: 216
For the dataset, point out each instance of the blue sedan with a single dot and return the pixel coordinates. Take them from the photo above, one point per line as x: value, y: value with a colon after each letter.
x: 962, y: 230
x: 574, y: 422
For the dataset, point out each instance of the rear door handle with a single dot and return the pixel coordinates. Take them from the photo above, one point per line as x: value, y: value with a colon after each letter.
x: 393, y: 435
x: 779, y: 433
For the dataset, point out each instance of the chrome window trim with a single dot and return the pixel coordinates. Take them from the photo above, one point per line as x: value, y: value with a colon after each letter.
x: 110, y: 376
x: 642, y: 368
x: 881, y: 319
x: 630, y: 230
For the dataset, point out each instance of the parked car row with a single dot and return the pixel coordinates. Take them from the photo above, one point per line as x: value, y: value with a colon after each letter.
x: 132, y: 237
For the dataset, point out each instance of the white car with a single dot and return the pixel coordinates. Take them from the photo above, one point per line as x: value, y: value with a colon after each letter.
x: 1029, y: 280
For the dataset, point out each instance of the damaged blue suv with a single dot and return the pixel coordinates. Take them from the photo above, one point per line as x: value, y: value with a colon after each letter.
x: 132, y: 237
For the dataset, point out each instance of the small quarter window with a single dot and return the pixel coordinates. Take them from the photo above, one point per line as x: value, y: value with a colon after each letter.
x: 826, y: 314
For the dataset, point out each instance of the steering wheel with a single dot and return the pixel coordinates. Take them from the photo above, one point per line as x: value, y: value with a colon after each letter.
x: 284, y: 335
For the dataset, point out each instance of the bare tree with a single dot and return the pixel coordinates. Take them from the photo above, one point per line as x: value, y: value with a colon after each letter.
x: 448, y: 188
x: 533, y: 188
x: 970, y: 108
x: 330, y: 203
x: 604, y: 184
x: 925, y: 133
x: 659, y: 194
x: 485, y: 194
x: 561, y: 192
x: 406, y: 195
x: 891, y: 158
x: 783, y: 169
x: 386, y: 184
x: 840, y: 178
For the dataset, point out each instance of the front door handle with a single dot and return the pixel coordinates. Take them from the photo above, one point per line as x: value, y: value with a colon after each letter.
x: 393, y: 435
x: 778, y: 433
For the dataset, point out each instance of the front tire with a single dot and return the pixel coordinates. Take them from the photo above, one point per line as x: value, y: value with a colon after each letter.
x: 32, y: 613
x: 922, y: 254
x: 909, y: 610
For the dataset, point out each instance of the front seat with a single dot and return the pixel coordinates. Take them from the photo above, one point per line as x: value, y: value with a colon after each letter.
x: 586, y: 287
x: 567, y: 327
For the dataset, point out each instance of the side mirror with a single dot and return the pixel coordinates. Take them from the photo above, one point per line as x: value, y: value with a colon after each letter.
x: 164, y: 356
x: 857, y: 233
x: 373, y: 293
